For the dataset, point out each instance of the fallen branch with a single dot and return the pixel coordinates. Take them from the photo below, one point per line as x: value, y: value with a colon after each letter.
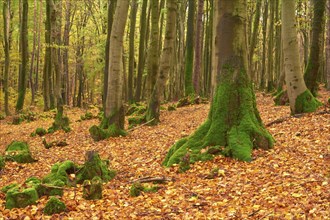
x: 132, y: 129
x: 158, y: 179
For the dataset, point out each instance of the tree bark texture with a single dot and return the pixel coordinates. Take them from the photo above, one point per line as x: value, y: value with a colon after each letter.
x: 6, y: 29
x: 301, y: 99
x: 314, y: 60
x: 233, y: 127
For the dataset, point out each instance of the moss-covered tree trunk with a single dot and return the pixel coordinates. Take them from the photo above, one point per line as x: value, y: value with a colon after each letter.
x: 301, y: 99
x: 142, y: 51
x: 23, y: 70
x: 153, y: 52
x: 153, y: 111
x: 6, y: 34
x: 233, y: 126
x: 113, y: 121
x: 47, y: 76
x: 328, y: 47
x: 189, y: 64
x: 111, y: 12
x: 313, y: 63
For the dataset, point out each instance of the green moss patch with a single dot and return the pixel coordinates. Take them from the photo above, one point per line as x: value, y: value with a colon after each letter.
x: 87, y: 116
x: 92, y: 190
x: 306, y: 102
x: 54, y: 206
x: 137, y: 188
x: 20, y: 198
x: 93, y: 167
x: 2, y: 163
x: 233, y: 127
x: 60, y: 122
x: 19, y: 152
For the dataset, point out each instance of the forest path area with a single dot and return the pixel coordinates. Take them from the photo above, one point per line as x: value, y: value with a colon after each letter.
x: 290, y: 181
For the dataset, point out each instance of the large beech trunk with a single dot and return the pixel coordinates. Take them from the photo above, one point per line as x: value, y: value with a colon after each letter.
x: 301, y: 99
x: 233, y: 127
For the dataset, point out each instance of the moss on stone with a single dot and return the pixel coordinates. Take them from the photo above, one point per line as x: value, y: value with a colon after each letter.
x: 137, y: 188
x: 41, y: 131
x: 58, y: 177
x: 5, y: 189
x: 233, y: 124
x: 54, y: 206
x: 93, y: 167
x: 306, y: 102
x: 19, y: 151
x: 171, y: 108
x: 136, y: 120
x: 136, y: 109
x: 20, y: 198
x: 92, y: 190
x: 100, y: 133
x: 60, y: 122
x: 87, y: 116
x: 2, y: 163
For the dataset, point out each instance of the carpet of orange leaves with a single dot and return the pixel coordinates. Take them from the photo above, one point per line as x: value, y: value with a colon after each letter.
x: 292, y: 181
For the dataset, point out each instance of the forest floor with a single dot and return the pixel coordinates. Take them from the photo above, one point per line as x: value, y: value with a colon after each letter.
x: 291, y: 181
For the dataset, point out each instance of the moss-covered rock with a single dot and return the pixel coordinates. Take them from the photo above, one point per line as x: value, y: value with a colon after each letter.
x: 41, y: 131
x: 17, y: 119
x: 87, y: 116
x: 57, y: 178
x: 54, y: 206
x: 136, y: 109
x: 60, y: 122
x: 136, y: 120
x: 20, y: 198
x: 56, y: 188
x: 5, y: 189
x: 99, y: 133
x: 171, y: 108
x: 2, y: 163
x: 93, y: 167
x: 137, y: 188
x: 19, y: 152
x: 306, y: 102
x: 92, y: 190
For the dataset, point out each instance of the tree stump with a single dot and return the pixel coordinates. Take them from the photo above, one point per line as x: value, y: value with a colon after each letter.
x: 92, y: 190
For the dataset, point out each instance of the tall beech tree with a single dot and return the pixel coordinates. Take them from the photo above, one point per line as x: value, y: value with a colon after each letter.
x: 328, y: 47
x: 233, y: 126
x: 113, y: 120
x: 23, y: 70
x: 314, y: 60
x: 153, y: 110
x: 301, y: 99
x: 6, y: 28
x: 188, y: 82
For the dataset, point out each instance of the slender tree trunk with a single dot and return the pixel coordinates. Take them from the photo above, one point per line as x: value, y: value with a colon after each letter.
x: 114, y: 112
x: 47, y: 72
x: 255, y: 34
x: 111, y: 12
x: 6, y: 29
x: 32, y: 69
x: 270, y: 69
x: 233, y: 127
x: 24, y: 56
x: 36, y: 83
x: 314, y: 60
x: 189, y: 88
x: 198, y: 47
x: 264, y: 40
x: 328, y: 47
x: 153, y: 111
x: 301, y: 99
x: 131, y: 60
x: 153, y: 52
x: 66, y: 42
x: 141, y: 61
